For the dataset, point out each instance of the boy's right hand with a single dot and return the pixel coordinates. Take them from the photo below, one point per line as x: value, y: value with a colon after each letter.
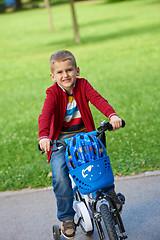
x: 45, y: 144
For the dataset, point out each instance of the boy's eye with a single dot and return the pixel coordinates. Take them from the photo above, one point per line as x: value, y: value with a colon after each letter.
x: 59, y: 72
x: 70, y: 69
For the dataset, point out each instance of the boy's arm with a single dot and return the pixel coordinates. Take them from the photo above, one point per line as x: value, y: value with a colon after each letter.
x: 103, y: 106
x: 44, y: 121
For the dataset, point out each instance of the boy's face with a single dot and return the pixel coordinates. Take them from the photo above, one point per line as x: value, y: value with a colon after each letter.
x: 65, y: 74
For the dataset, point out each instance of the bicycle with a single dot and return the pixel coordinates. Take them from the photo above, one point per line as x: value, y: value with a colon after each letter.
x: 91, y: 205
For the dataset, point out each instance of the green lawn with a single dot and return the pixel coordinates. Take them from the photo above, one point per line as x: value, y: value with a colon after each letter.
x: 119, y: 54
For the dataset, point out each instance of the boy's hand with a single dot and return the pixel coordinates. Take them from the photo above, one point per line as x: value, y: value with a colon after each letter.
x: 45, y: 144
x: 116, y: 122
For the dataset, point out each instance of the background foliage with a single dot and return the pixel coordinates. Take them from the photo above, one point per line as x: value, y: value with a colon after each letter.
x: 118, y: 54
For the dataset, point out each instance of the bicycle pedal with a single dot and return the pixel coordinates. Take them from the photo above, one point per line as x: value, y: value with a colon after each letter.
x: 121, y: 197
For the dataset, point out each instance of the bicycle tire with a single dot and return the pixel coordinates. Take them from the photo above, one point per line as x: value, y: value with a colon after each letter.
x: 108, y: 222
x: 56, y: 232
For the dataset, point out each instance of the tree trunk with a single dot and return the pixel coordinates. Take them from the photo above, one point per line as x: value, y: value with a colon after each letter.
x: 76, y: 32
x: 18, y: 5
x: 49, y: 14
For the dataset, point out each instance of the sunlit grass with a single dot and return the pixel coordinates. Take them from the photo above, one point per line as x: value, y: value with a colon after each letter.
x: 118, y: 54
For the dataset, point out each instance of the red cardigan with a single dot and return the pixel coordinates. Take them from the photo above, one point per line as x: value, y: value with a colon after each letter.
x: 54, y: 109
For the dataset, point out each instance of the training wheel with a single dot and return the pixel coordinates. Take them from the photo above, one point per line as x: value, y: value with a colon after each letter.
x: 56, y: 232
x: 82, y: 214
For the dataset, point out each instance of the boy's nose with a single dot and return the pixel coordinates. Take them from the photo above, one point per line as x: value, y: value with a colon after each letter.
x: 65, y: 74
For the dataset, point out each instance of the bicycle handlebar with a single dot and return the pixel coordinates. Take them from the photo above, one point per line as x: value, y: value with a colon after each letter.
x: 105, y: 126
x: 56, y: 144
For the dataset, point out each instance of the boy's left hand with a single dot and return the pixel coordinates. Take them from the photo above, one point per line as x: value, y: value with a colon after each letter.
x: 116, y: 122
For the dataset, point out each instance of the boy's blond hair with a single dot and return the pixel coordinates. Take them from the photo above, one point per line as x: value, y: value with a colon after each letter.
x: 62, y: 55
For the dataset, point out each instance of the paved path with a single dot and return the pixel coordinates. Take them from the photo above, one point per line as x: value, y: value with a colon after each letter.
x: 29, y: 215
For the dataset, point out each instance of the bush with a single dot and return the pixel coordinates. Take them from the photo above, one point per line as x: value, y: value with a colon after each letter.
x: 2, y: 8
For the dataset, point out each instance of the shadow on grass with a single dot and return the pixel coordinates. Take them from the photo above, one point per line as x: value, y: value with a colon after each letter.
x: 107, y: 37
x: 123, y: 33
x: 110, y: 2
x: 99, y: 22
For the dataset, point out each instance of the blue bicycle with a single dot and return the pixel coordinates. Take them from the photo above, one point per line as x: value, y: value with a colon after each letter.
x: 90, y: 171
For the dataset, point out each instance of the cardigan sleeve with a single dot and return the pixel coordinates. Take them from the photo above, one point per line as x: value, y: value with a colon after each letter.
x: 46, y: 117
x: 98, y: 101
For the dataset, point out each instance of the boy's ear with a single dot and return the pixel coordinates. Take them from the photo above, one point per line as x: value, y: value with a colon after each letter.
x: 52, y: 77
x: 78, y: 71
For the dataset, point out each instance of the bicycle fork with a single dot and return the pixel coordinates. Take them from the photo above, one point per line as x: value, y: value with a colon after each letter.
x: 95, y: 209
x: 97, y: 220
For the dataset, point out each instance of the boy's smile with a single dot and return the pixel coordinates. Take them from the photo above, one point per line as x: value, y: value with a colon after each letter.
x: 65, y: 73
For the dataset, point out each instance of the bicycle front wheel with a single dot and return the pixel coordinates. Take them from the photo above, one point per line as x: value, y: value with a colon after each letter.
x: 108, y: 222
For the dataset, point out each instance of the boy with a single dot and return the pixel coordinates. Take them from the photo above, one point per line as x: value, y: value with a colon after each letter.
x: 64, y: 114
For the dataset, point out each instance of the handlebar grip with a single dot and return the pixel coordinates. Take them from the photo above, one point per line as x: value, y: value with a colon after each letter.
x: 110, y: 128
x: 123, y: 123
x: 39, y: 148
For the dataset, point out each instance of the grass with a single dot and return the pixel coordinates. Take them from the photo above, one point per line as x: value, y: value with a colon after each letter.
x: 118, y: 54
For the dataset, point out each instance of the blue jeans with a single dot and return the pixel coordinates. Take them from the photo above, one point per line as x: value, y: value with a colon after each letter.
x: 62, y: 186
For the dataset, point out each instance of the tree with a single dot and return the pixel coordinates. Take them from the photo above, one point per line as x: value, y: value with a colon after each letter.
x: 76, y: 31
x: 49, y: 14
x: 18, y: 4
